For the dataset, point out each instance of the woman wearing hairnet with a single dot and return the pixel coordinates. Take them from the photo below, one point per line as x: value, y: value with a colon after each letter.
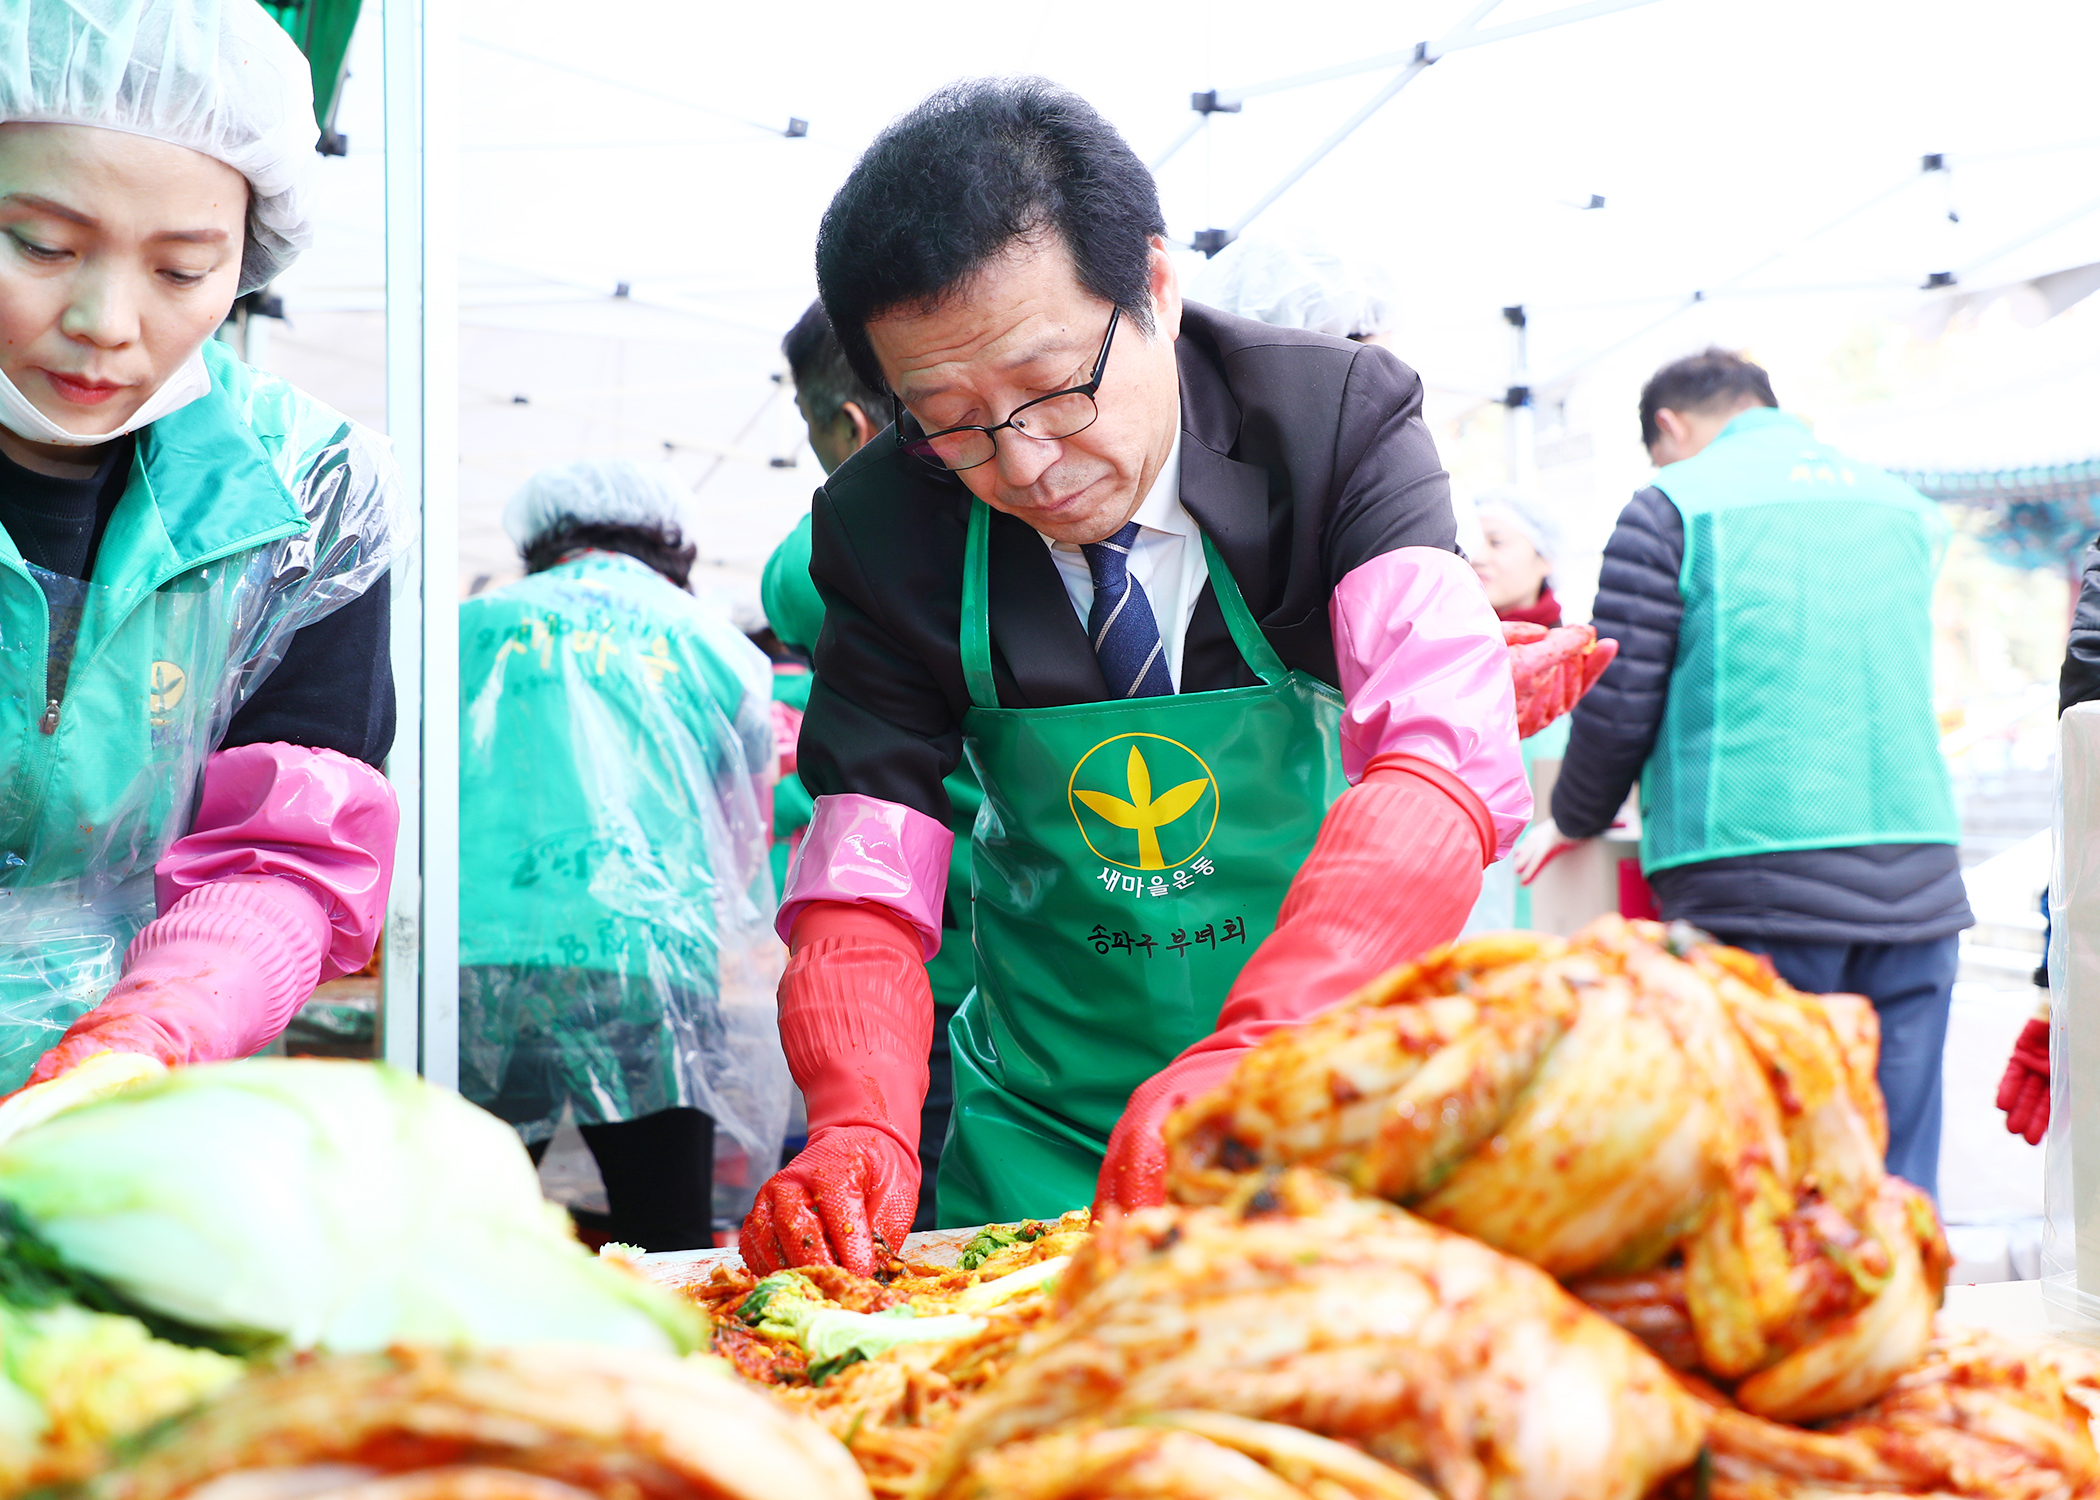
x: 194, y: 689
x: 1522, y: 540
x: 1519, y: 541
x: 616, y: 900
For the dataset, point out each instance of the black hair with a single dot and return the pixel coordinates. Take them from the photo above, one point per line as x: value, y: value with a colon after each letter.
x: 822, y: 377
x: 662, y: 546
x: 1702, y: 382
x: 975, y: 168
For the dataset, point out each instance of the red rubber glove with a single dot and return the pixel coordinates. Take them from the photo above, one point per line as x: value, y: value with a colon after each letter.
x: 1553, y: 668
x: 856, y: 1020
x: 215, y: 978
x: 1395, y: 872
x: 2023, y: 1093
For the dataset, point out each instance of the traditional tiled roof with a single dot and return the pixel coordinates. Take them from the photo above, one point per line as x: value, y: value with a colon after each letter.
x: 2033, y: 517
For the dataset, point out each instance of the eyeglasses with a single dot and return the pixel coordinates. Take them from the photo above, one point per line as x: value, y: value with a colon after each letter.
x: 1061, y: 414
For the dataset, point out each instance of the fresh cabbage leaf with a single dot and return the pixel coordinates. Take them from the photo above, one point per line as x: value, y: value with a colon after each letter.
x: 324, y: 1204
x: 786, y: 1305
x: 990, y: 1294
x: 985, y: 1244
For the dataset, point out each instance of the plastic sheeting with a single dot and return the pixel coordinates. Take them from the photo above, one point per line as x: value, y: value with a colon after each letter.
x: 155, y: 676
x: 616, y: 897
x: 2071, y: 1183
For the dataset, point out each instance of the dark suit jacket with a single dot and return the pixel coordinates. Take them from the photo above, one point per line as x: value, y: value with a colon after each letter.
x: 1302, y: 457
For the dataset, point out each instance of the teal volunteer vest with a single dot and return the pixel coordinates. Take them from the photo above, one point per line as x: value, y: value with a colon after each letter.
x: 1800, y: 706
x: 248, y: 514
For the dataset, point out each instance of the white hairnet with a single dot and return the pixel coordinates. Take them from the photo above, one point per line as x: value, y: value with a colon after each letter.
x: 217, y: 76
x: 1528, y: 513
x: 599, y: 491
x: 1296, y: 286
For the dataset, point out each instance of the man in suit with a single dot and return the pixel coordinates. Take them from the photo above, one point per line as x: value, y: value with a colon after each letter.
x: 1186, y: 589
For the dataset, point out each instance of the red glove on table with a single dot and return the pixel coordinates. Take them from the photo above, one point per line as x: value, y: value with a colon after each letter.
x: 2023, y: 1093
x: 1553, y: 668
x: 1395, y: 872
x: 856, y: 1020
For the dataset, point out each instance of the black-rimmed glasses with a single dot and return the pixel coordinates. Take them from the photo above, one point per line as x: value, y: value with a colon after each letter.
x: 1061, y: 414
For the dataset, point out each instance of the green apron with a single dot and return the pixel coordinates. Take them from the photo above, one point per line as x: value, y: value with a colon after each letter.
x: 1128, y: 858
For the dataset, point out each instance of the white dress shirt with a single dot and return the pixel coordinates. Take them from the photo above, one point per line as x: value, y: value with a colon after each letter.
x: 1167, y: 561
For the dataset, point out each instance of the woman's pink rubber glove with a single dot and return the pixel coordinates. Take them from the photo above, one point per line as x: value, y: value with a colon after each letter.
x: 1394, y: 873
x: 216, y: 978
x: 856, y: 1020
x: 280, y: 884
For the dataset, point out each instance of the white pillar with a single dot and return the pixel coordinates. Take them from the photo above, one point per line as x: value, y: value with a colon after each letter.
x: 419, y: 1013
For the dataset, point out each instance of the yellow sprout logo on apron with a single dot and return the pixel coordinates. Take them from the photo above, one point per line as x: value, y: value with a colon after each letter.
x: 1143, y: 801
x: 166, y: 687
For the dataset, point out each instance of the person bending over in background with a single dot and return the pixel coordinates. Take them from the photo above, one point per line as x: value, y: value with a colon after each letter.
x: 616, y: 754
x: 839, y: 411
x: 1772, y: 600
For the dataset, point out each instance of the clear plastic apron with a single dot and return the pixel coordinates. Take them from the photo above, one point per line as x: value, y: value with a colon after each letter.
x: 249, y: 514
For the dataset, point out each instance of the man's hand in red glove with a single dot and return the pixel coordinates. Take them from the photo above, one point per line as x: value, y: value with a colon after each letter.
x: 2023, y: 1093
x: 847, y: 1199
x: 856, y: 1019
x: 1394, y: 873
x: 1553, y: 668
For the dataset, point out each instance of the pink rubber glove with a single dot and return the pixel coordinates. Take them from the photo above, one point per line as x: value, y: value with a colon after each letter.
x: 856, y: 1020
x: 787, y: 735
x: 314, y: 818
x: 1552, y: 669
x: 2024, y: 1091
x: 1394, y: 873
x: 280, y: 884
x: 208, y: 981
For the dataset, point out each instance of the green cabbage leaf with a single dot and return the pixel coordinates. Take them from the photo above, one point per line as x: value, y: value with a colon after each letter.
x: 310, y: 1204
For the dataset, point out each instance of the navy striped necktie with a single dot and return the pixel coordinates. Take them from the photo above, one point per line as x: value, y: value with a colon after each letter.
x: 1121, y: 626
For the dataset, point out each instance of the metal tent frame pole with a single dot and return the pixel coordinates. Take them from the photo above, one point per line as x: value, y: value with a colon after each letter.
x: 419, y: 1006
x: 1412, y: 64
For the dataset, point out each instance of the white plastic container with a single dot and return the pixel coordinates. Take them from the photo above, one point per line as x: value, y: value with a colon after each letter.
x: 2071, y: 1187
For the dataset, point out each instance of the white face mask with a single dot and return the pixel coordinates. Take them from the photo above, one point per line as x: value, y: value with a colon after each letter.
x: 190, y: 380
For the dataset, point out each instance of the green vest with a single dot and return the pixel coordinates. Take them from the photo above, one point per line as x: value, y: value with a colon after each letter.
x: 249, y: 513
x: 610, y: 732
x: 615, y: 935
x: 1800, y: 705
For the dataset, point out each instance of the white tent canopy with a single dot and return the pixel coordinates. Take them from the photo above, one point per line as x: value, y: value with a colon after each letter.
x: 651, y: 153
